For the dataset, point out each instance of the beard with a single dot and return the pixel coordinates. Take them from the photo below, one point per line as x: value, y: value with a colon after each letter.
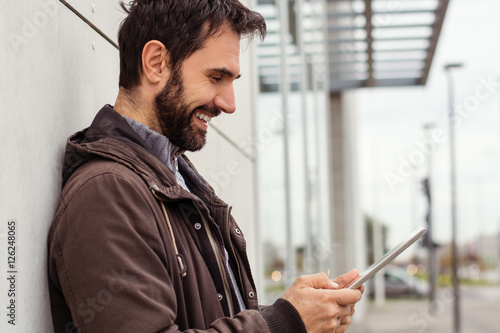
x: 175, y: 119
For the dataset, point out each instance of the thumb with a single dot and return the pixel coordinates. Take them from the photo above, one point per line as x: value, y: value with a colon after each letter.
x: 346, y: 278
x: 319, y: 281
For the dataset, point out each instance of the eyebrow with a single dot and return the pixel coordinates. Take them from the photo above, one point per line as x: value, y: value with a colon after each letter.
x: 226, y: 71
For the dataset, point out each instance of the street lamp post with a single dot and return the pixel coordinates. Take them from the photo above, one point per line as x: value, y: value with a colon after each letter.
x: 430, y: 233
x: 453, y: 178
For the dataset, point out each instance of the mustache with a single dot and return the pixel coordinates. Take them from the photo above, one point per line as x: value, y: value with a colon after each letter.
x: 209, y: 110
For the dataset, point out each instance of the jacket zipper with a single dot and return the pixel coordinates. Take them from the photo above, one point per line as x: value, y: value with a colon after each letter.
x: 232, y: 247
x: 220, y: 263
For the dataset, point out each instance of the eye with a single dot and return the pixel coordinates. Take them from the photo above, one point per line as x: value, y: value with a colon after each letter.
x: 216, y: 78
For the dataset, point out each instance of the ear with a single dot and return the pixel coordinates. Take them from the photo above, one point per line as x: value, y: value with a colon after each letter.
x: 154, y: 61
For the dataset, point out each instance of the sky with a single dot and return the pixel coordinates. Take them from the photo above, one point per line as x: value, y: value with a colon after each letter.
x: 391, y: 138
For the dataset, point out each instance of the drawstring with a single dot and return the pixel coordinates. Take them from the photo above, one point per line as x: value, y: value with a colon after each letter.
x: 180, y: 257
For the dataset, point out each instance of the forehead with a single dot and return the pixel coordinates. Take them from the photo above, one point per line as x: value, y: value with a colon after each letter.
x: 220, y: 51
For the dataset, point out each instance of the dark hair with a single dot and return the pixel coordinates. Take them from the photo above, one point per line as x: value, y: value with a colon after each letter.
x: 182, y: 26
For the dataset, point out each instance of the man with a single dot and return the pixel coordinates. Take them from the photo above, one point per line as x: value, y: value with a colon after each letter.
x: 140, y: 242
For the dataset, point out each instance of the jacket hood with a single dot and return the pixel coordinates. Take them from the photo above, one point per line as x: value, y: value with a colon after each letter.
x: 87, y: 144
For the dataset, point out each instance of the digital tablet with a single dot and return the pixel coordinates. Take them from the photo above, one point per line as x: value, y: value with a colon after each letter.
x: 387, y: 258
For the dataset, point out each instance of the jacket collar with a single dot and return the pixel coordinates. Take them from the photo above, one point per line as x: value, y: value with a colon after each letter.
x: 111, y: 137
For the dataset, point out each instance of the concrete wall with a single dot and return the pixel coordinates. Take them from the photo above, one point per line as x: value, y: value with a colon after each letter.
x: 56, y: 73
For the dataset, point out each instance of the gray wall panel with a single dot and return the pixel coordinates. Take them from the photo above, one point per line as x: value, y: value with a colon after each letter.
x: 106, y: 15
x: 52, y: 84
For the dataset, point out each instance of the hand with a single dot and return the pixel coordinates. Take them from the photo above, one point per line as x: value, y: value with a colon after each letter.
x: 343, y: 281
x: 322, y: 306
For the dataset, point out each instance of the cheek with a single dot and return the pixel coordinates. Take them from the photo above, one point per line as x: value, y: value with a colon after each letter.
x: 201, y: 95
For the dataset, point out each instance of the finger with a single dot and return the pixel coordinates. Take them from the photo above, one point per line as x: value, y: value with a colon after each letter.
x: 362, y: 289
x: 346, y: 278
x: 344, y: 324
x: 346, y: 321
x: 338, y: 322
x: 343, y: 311
x: 345, y: 296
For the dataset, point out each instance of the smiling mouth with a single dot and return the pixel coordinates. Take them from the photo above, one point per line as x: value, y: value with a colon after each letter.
x: 203, y: 117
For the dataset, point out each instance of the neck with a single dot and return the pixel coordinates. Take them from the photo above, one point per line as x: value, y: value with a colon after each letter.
x: 131, y: 104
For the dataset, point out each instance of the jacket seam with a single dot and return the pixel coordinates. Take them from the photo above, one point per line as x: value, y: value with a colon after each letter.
x: 68, y: 281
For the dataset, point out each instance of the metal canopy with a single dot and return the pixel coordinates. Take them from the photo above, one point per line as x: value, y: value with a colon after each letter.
x: 374, y: 43
x: 370, y: 43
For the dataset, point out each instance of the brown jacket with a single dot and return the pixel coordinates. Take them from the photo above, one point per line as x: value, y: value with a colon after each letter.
x: 113, y: 266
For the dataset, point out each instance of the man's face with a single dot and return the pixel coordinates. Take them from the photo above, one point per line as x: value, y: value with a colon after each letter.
x: 200, y: 90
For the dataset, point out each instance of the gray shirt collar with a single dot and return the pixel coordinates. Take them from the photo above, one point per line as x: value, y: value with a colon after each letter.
x: 160, y: 145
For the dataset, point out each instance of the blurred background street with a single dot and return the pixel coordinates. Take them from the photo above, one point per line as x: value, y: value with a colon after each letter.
x: 480, y: 313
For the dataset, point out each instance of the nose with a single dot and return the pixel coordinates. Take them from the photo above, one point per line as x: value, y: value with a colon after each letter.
x: 224, y: 100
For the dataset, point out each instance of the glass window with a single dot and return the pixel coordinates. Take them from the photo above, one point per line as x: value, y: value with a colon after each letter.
x: 292, y: 71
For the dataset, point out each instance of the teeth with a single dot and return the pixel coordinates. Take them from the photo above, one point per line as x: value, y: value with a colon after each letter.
x: 203, y: 117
